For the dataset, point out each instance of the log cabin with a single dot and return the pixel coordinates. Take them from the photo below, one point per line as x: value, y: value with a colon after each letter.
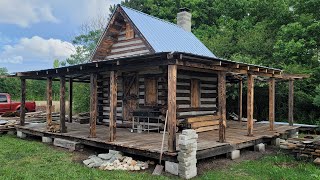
x: 144, y: 69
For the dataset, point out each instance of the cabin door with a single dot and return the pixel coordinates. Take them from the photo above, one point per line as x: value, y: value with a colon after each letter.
x: 130, y: 95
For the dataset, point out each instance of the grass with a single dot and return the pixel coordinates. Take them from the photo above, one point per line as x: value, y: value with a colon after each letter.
x: 21, y: 159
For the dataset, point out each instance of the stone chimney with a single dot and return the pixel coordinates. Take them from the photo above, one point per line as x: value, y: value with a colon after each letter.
x: 184, y: 19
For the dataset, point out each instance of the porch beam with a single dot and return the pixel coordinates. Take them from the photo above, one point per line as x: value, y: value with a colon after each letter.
x: 290, y: 102
x: 250, y: 101
x: 23, y: 102
x: 63, y: 128
x: 222, y: 106
x: 70, y: 99
x: 113, y: 105
x: 271, y: 103
x: 172, y: 107
x: 49, y: 101
x: 93, y: 105
x: 240, y: 101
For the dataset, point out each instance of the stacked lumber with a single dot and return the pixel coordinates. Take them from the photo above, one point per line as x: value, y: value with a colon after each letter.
x: 7, y: 125
x: 203, y: 123
x: 303, y: 148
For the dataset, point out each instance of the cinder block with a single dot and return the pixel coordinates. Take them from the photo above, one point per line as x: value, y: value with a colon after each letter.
x: 260, y: 147
x: 21, y: 135
x: 71, y: 145
x: 235, y: 154
x: 46, y: 139
x: 172, y: 168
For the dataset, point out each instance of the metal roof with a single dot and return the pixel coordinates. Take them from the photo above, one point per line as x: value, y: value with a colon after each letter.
x: 164, y: 36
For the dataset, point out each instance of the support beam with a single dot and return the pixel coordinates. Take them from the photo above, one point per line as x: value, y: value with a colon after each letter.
x: 271, y: 103
x: 172, y: 107
x: 93, y: 105
x: 70, y: 99
x: 222, y: 106
x: 290, y: 106
x: 23, y: 102
x: 63, y: 127
x: 240, y: 101
x: 113, y: 105
x: 250, y: 98
x: 49, y: 101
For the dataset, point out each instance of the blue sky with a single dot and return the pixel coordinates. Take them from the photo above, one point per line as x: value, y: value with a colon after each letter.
x: 35, y: 32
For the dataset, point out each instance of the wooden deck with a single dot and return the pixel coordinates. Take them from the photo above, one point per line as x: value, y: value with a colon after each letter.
x: 148, y: 145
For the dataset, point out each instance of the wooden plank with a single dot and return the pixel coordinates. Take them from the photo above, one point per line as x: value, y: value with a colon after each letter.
x: 49, y: 101
x: 172, y: 107
x: 195, y: 125
x: 63, y: 127
x: 290, y: 102
x: 23, y: 102
x: 222, y: 106
x: 113, y: 105
x: 93, y: 105
x: 250, y: 99
x: 203, y: 118
x: 195, y: 93
x: 70, y: 99
x: 271, y: 103
x: 207, y: 128
x: 151, y: 93
x: 240, y: 101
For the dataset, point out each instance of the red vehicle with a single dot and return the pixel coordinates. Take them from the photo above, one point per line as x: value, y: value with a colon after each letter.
x: 6, y: 105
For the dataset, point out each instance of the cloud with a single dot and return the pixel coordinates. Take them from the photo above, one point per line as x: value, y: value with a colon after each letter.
x: 24, y: 13
x: 36, y: 49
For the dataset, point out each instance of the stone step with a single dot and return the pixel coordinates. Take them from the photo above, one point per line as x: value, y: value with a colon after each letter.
x: 71, y: 145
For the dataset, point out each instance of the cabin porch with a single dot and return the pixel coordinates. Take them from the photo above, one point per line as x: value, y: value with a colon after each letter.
x: 149, y: 144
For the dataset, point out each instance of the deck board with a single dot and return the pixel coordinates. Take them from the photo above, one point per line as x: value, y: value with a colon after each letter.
x: 236, y: 135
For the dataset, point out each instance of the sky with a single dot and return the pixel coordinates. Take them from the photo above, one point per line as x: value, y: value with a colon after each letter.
x: 35, y: 32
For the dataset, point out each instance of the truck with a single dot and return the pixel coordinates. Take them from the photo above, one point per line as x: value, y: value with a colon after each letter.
x: 7, y: 105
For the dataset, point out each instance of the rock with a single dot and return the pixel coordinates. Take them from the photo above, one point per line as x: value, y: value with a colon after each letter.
x: 129, y: 160
x: 97, y: 161
x: 91, y: 165
x: 317, y: 161
x: 133, y: 163
x: 131, y: 168
x: 87, y: 161
x: 119, y: 156
x: 114, y: 152
x: 105, y: 156
x: 151, y: 162
x: 91, y: 156
x: 112, y: 159
x: 136, y: 168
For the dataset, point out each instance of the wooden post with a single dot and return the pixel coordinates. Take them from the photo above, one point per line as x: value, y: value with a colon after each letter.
x: 240, y: 102
x: 222, y: 106
x: 250, y: 97
x: 63, y: 128
x: 49, y: 101
x: 271, y: 103
x: 290, y: 107
x: 23, y: 102
x: 70, y: 99
x: 113, y: 105
x: 172, y: 107
x: 93, y: 105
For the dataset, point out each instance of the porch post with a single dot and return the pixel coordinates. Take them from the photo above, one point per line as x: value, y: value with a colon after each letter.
x: 70, y: 99
x: 93, y: 105
x: 290, y: 106
x: 240, y: 102
x: 271, y: 103
x: 63, y: 128
x: 49, y: 101
x: 222, y: 105
x: 172, y: 107
x: 23, y: 102
x: 250, y: 97
x: 113, y: 105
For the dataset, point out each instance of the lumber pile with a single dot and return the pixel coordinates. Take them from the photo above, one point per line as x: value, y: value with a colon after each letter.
x: 203, y: 123
x: 6, y: 125
x: 82, y: 118
x: 303, y: 148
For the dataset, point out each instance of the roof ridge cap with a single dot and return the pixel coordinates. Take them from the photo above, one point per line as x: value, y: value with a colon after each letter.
x: 154, y: 17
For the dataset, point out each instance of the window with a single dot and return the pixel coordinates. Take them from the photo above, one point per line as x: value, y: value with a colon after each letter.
x: 151, y: 92
x: 3, y: 99
x: 195, y: 93
x: 129, y: 31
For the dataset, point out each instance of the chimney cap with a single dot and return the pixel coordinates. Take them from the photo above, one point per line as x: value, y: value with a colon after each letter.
x: 184, y: 9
